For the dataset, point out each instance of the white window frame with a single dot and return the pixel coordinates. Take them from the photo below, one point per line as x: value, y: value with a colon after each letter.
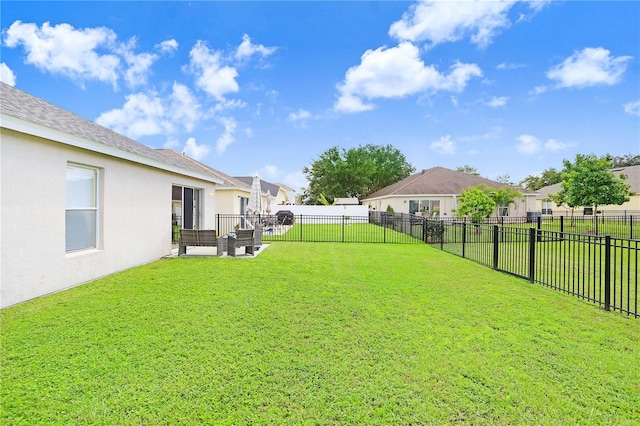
x: 92, y: 206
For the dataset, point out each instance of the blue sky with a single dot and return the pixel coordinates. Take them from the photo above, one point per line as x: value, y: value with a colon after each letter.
x: 508, y: 87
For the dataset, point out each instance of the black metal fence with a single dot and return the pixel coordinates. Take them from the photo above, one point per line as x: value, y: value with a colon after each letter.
x: 598, y: 268
x: 602, y: 269
x: 623, y: 226
x: 395, y: 229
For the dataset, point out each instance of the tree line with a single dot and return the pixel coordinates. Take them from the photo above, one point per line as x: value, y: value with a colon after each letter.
x: 359, y: 172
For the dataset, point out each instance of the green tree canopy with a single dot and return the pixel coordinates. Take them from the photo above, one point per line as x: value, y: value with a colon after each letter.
x: 548, y: 177
x: 504, y: 196
x: 476, y: 203
x: 356, y: 172
x: 468, y: 170
x: 625, y: 160
x: 588, y: 181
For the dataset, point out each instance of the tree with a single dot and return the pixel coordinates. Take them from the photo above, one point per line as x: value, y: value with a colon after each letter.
x: 505, y: 178
x: 503, y: 197
x: 588, y: 181
x: 356, y: 172
x: 468, y: 170
x: 625, y: 160
x: 476, y: 203
x: 548, y: 177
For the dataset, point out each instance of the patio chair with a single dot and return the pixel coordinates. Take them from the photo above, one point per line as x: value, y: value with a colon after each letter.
x: 257, y: 236
x: 197, y: 238
x: 244, y: 238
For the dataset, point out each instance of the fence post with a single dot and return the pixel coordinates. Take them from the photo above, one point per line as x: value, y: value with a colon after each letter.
x: 424, y: 230
x: 631, y: 227
x: 464, y: 237
x: 495, y: 246
x: 532, y: 254
x: 300, y: 223
x: 343, y: 228
x: 607, y: 272
x: 561, y: 223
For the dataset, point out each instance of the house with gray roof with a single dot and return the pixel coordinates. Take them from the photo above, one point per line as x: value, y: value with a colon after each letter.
x: 435, y: 192
x: 632, y: 173
x: 79, y: 201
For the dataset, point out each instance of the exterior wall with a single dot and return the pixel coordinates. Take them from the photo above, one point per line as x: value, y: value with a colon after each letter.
x: 632, y: 205
x: 448, y: 203
x: 228, y: 200
x: 400, y: 204
x: 325, y: 210
x: 134, y: 225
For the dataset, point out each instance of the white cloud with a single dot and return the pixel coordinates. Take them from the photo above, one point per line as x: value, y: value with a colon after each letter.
x: 227, y: 137
x: 247, y: 49
x: 62, y: 49
x: 589, y: 67
x: 270, y: 171
x: 301, y: 114
x: 195, y: 151
x: 167, y: 46
x: 555, y: 146
x: 141, y: 115
x: 444, y: 145
x: 138, y: 65
x: 150, y: 114
x: 447, y: 21
x: 632, y: 108
x: 509, y: 66
x: 529, y: 144
x: 184, y: 109
x: 497, y: 101
x: 397, y: 72
x: 7, y: 76
x: 227, y: 104
x: 538, y: 90
x: 212, y: 76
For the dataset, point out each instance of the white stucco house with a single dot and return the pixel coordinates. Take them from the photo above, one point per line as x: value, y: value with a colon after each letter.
x: 435, y: 192
x: 79, y: 201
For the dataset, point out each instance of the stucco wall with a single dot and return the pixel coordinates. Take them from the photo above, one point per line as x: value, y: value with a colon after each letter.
x: 134, y: 216
x: 448, y: 203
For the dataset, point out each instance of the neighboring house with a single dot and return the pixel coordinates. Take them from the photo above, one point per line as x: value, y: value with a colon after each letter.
x: 435, y: 192
x: 232, y: 195
x: 79, y: 201
x: 544, y: 204
x: 278, y: 195
x: 288, y: 194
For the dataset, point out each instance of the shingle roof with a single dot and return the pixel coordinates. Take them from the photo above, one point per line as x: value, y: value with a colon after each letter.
x: 24, y: 106
x: 434, y: 181
x: 188, y: 161
x: 632, y: 173
x: 264, y: 185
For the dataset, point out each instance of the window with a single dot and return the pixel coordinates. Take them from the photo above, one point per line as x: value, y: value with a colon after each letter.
x: 424, y: 207
x: 546, y: 207
x: 81, y: 215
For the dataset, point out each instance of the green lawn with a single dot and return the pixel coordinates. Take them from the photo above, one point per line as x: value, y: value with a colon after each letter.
x: 348, y: 231
x: 318, y: 334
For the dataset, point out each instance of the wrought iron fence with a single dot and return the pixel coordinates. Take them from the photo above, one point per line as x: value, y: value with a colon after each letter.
x: 623, y: 226
x: 319, y: 228
x: 598, y: 268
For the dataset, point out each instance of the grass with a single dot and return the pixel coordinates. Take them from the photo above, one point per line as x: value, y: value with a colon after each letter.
x: 347, y: 231
x: 317, y: 334
x: 575, y: 264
